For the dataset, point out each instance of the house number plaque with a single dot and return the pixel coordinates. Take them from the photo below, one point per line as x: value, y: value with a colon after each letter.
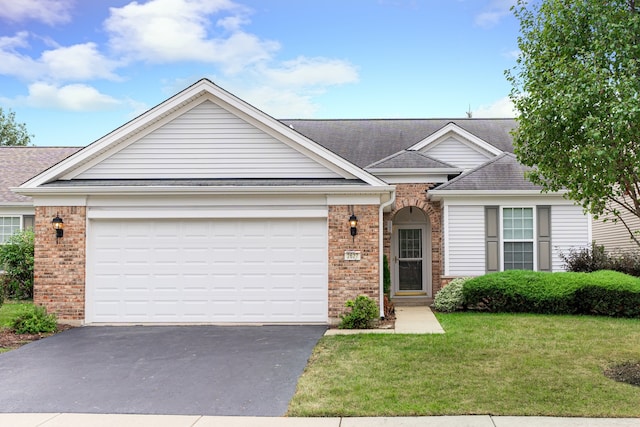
x: 352, y: 255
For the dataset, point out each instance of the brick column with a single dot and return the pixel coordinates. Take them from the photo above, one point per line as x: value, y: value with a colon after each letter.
x: 348, y: 279
x: 59, y: 267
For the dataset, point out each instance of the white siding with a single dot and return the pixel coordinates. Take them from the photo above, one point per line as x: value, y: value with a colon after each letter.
x: 457, y: 153
x: 569, y: 229
x: 207, y: 142
x: 465, y: 239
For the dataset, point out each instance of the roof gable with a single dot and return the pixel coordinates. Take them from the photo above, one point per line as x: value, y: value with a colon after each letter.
x: 454, y: 145
x: 410, y: 160
x: 203, y: 132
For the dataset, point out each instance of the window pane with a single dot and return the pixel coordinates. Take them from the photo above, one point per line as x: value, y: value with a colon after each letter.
x: 8, y: 226
x: 410, y: 243
x: 518, y: 255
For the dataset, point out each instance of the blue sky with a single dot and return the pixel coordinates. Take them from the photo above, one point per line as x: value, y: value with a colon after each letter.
x: 73, y: 70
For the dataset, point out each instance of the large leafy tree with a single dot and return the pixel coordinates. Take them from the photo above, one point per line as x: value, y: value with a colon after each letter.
x: 12, y: 133
x: 576, y: 85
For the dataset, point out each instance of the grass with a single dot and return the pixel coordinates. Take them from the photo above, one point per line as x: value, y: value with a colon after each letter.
x: 499, y: 364
x: 10, y: 309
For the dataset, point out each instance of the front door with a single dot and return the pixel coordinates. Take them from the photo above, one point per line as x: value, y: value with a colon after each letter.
x: 410, y: 262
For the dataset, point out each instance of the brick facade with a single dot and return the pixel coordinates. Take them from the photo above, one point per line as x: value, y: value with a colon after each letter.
x: 416, y: 195
x: 348, y: 279
x: 59, y: 266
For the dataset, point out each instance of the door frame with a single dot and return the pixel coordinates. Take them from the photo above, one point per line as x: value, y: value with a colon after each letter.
x: 426, y: 260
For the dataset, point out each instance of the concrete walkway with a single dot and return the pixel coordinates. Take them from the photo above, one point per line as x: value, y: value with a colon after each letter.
x: 95, y: 420
x: 409, y: 320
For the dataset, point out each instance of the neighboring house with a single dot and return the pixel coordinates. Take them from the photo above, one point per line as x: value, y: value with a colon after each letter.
x: 205, y: 209
x: 17, y: 165
x: 614, y: 235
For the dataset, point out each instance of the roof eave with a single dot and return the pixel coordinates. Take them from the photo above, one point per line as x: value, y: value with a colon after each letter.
x: 436, y: 194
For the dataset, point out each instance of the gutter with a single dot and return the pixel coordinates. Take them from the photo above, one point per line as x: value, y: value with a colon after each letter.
x: 381, y: 246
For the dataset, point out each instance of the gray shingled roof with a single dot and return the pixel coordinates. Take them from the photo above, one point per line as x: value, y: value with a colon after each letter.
x: 410, y: 160
x: 501, y: 173
x: 19, y: 164
x: 365, y: 141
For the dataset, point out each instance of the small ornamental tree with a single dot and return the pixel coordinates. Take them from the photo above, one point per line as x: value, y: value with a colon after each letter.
x: 576, y: 87
x: 16, y: 259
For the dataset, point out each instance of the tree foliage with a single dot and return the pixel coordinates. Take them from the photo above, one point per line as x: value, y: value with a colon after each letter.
x: 12, y: 133
x: 576, y: 86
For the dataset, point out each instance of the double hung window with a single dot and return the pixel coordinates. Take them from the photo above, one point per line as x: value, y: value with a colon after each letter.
x: 518, y: 238
x: 8, y: 226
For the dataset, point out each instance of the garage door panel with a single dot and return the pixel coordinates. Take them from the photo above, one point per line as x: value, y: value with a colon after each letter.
x: 207, y: 271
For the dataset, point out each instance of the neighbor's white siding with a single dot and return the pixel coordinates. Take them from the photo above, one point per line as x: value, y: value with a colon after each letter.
x: 207, y: 142
x: 457, y: 153
x: 569, y: 229
x: 465, y: 241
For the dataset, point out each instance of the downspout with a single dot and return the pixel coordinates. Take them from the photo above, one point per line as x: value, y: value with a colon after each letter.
x: 381, y: 246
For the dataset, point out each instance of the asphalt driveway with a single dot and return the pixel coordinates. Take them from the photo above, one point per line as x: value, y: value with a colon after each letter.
x: 183, y: 370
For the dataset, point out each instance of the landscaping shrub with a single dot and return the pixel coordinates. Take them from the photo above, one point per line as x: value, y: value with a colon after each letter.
x: 386, y: 275
x: 586, y: 260
x: 16, y: 258
x: 450, y: 298
x: 607, y: 293
x: 364, y: 312
x: 34, y: 320
x: 625, y: 262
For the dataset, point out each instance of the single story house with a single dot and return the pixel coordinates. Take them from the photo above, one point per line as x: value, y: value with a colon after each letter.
x: 205, y: 209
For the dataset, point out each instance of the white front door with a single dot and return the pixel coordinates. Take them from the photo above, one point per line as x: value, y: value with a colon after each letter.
x: 410, y: 260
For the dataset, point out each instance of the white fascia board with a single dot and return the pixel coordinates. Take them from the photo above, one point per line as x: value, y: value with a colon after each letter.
x: 187, y: 190
x: 450, y: 194
x: 453, y: 128
x: 142, y: 125
x: 504, y: 199
x: 18, y: 204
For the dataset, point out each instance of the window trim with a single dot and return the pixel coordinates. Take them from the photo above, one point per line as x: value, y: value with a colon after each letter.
x: 533, y: 241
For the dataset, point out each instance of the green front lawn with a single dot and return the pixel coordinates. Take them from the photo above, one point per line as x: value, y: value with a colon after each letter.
x: 499, y: 364
x: 10, y: 309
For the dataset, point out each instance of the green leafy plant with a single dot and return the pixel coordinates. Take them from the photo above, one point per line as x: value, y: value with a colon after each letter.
x: 450, y: 298
x: 34, y: 320
x: 16, y: 258
x: 364, y: 312
x: 386, y: 275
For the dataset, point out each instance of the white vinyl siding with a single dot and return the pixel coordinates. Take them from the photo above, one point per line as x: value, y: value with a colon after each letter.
x: 207, y: 142
x: 465, y: 240
x: 569, y: 229
x: 204, y: 270
x: 457, y: 153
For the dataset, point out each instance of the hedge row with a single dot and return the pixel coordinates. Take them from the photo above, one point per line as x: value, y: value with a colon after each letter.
x: 606, y: 293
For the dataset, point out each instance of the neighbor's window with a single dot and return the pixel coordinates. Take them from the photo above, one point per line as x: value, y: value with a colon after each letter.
x: 517, y: 232
x: 8, y: 226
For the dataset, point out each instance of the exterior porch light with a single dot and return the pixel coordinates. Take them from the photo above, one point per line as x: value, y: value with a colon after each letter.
x: 58, y: 225
x: 353, y: 223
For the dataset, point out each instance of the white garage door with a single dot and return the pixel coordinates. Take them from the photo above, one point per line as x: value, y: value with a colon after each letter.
x: 248, y: 270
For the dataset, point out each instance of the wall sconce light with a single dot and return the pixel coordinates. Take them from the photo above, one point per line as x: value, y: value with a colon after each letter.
x: 353, y: 223
x: 58, y: 225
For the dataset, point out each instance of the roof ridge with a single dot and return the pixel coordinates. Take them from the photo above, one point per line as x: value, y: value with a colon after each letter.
x: 474, y: 170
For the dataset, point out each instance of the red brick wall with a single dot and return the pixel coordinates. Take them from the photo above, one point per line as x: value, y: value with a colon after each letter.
x: 348, y: 279
x: 416, y: 195
x: 59, y: 270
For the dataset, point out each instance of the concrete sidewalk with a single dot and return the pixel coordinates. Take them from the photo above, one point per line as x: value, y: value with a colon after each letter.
x: 409, y: 320
x: 96, y: 420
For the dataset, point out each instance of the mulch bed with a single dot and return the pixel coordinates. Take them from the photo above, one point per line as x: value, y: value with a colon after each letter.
x: 627, y: 372
x: 11, y: 341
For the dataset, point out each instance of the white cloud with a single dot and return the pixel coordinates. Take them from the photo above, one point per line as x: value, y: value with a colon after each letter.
x: 306, y: 72
x: 162, y: 31
x: 500, y: 108
x: 278, y: 102
x: 494, y: 13
x: 78, y: 62
x: 47, y: 11
x: 71, y: 63
x: 74, y: 97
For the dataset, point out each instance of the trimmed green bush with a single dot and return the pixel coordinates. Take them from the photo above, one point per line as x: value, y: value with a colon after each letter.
x: 364, y: 312
x: 450, y: 298
x: 34, y: 320
x: 607, y: 293
x: 16, y: 259
x: 386, y: 275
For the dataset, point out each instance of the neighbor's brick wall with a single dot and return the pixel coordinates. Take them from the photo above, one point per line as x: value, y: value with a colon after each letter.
x: 416, y: 195
x: 348, y: 279
x: 59, y: 270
